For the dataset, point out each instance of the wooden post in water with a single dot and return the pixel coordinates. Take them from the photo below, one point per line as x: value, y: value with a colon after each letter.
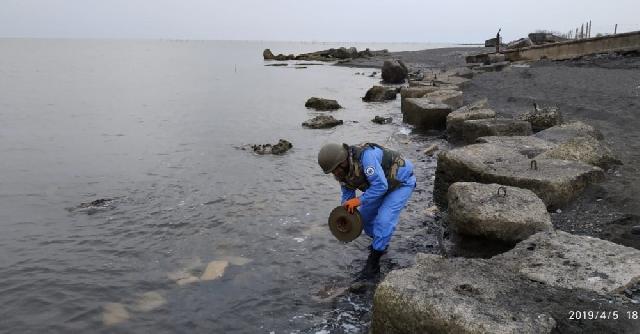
x: 615, y: 30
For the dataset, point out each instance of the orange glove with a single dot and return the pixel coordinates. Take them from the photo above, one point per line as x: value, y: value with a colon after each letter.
x: 351, y: 204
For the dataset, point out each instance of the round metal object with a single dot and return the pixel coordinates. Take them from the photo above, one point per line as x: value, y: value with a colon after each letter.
x: 344, y: 226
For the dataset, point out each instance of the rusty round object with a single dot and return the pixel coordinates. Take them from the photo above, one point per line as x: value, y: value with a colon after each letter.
x: 344, y: 226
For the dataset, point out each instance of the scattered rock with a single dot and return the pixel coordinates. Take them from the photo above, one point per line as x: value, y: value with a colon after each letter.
x: 585, y: 149
x: 494, y: 211
x: 561, y: 133
x: 214, y: 270
x: 382, y: 120
x: 394, y: 71
x: 322, y: 104
x: 542, y: 118
x: 474, y: 129
x: 379, y: 94
x: 555, y: 181
x: 373, y: 74
x: 425, y: 113
x: 114, y: 313
x: 278, y: 64
x: 322, y: 122
x: 280, y: 148
x: 528, y: 146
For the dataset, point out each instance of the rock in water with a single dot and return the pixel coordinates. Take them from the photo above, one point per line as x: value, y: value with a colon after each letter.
x: 322, y: 122
x: 149, y: 301
x: 394, y: 71
x: 214, y: 270
x: 379, y: 94
x: 382, y: 120
x: 280, y: 148
x: 322, y: 104
x: 542, y: 118
x: 268, y: 55
x: 114, y: 313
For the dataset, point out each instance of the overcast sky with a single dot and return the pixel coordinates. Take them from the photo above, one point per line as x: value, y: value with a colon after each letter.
x: 309, y: 20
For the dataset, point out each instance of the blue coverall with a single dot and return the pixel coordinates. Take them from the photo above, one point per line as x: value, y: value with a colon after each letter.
x: 379, y: 209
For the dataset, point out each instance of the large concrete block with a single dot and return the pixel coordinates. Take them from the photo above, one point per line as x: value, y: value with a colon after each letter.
x: 416, y: 91
x: 556, y: 182
x: 452, y: 98
x: 425, y: 113
x: 477, y: 110
x: 528, y: 146
x: 494, y: 211
x: 474, y: 129
x: 586, y: 149
x: 530, y: 289
x: 561, y: 133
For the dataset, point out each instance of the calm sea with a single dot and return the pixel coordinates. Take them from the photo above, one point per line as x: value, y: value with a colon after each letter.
x: 157, y: 127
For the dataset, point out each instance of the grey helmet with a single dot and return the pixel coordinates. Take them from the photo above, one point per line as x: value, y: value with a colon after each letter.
x: 330, y: 156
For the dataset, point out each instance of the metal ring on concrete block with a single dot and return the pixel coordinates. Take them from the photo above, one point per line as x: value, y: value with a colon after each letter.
x: 344, y: 226
x: 504, y: 191
x: 534, y: 165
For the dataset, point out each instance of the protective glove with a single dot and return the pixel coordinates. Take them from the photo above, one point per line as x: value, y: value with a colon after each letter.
x: 351, y: 204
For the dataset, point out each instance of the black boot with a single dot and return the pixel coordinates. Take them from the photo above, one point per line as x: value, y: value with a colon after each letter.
x: 372, y: 268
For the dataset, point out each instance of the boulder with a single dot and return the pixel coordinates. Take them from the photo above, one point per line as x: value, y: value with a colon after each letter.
x: 379, y: 94
x: 585, y: 149
x: 542, y: 118
x: 498, y: 212
x: 476, y: 128
x: 476, y: 110
x: 425, y: 113
x: 561, y: 133
x: 528, y: 146
x: 394, y: 71
x: 530, y: 289
x: 268, y: 55
x: 452, y: 98
x: 556, y: 182
x: 280, y: 148
x: 322, y: 122
x: 322, y: 104
x: 382, y: 120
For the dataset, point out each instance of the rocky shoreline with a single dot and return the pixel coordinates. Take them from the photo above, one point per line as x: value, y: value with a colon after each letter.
x: 537, y: 217
x: 468, y: 295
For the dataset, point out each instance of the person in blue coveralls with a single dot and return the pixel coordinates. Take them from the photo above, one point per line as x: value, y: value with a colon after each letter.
x: 386, y: 181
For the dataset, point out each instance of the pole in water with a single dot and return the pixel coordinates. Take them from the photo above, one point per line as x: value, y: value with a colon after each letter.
x: 615, y: 30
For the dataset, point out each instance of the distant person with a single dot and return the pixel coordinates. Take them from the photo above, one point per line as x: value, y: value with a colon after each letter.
x: 386, y: 181
x: 498, y: 41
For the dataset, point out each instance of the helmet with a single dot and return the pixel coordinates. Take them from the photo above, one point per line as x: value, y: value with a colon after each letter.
x: 330, y: 156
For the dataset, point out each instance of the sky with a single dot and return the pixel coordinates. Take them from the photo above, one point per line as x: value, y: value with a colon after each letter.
x: 310, y: 20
